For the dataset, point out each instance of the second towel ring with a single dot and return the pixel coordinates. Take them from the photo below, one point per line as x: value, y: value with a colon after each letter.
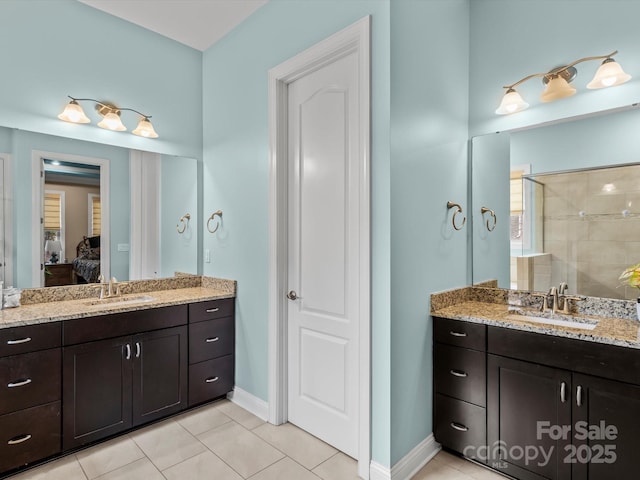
x: 458, y: 208
x: 213, y: 215
x: 490, y: 227
x: 184, y: 223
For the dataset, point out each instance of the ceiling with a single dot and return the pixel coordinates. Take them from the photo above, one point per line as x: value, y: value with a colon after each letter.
x: 196, y: 23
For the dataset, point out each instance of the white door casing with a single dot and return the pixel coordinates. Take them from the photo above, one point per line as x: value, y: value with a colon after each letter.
x: 353, y: 41
x: 323, y: 257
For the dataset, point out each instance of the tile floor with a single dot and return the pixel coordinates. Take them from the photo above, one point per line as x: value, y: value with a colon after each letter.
x: 222, y: 441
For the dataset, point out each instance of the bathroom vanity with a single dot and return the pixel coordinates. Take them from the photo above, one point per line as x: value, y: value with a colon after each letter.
x: 537, y: 401
x: 78, y: 371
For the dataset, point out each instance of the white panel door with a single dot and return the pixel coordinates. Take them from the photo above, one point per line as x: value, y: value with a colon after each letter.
x: 323, y: 312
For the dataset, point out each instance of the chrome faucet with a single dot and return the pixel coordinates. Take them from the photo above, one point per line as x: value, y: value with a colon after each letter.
x: 114, y: 289
x: 553, y: 296
x: 111, y: 289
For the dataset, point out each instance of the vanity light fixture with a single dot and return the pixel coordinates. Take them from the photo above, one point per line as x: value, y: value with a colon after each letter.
x: 557, y: 83
x: 111, y: 117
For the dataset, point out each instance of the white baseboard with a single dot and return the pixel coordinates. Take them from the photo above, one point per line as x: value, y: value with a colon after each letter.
x: 408, y: 465
x: 249, y: 402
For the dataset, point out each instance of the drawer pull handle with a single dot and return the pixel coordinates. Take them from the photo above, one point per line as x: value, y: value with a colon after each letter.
x: 459, y: 427
x: 579, y: 396
x: 17, y: 440
x: 19, y: 384
x: 211, y: 380
x: 458, y: 373
x: 18, y: 342
x: 457, y: 334
x: 563, y: 392
x: 213, y: 310
x: 211, y: 340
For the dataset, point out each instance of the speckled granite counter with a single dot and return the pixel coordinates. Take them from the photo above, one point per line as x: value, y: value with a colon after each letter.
x: 62, y: 303
x: 464, y: 304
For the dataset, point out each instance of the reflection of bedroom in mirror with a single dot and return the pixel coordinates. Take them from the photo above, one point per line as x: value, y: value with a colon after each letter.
x: 72, y: 221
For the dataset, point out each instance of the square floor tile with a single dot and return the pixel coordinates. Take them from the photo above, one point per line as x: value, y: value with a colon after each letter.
x: 202, y: 419
x: 66, y: 468
x: 203, y: 466
x: 285, y: 469
x: 141, y: 469
x: 167, y: 443
x: 241, y: 449
x: 338, y: 467
x: 301, y: 446
x: 240, y: 415
x: 108, y: 456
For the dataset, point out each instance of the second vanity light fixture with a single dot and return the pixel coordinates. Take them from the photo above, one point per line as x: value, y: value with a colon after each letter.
x: 556, y: 82
x: 73, y: 113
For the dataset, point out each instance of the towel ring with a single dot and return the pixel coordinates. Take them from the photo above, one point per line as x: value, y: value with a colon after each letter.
x: 458, y: 208
x: 213, y: 215
x: 490, y: 227
x: 184, y: 223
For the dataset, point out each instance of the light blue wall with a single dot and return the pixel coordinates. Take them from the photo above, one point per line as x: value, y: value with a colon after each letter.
x: 513, y: 38
x: 51, y: 49
x: 236, y: 174
x: 23, y: 145
x: 429, y: 85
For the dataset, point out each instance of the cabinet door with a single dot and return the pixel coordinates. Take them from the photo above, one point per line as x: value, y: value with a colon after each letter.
x: 159, y: 374
x: 96, y: 390
x: 607, y: 415
x: 524, y: 400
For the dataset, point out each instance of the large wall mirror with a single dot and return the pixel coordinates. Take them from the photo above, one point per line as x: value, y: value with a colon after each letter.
x: 558, y: 203
x: 95, y: 209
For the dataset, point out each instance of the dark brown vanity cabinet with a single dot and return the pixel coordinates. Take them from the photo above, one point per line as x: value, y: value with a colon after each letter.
x: 460, y: 385
x: 588, y: 426
x: 211, y: 349
x: 114, y: 384
x: 29, y: 394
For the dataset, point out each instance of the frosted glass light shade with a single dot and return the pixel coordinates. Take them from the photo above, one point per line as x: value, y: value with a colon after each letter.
x: 111, y: 121
x: 609, y: 74
x: 556, y: 89
x: 145, y: 129
x: 512, y: 102
x: 73, y: 113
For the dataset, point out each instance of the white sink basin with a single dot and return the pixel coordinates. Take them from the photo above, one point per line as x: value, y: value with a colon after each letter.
x: 122, y: 300
x: 582, y: 324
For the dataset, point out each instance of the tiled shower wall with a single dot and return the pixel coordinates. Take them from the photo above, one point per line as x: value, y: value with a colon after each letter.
x: 592, y: 229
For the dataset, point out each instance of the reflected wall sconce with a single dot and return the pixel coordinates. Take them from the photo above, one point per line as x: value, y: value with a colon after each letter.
x: 73, y: 113
x: 214, y: 215
x: 557, y: 81
x: 184, y: 220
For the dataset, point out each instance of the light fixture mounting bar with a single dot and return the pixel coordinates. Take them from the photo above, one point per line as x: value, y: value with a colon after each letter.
x: 107, y: 106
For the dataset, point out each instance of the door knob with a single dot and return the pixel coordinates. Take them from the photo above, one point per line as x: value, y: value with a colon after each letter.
x: 292, y: 295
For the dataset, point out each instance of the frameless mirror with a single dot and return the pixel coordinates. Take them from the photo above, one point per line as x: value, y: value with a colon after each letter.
x: 134, y: 219
x: 558, y: 203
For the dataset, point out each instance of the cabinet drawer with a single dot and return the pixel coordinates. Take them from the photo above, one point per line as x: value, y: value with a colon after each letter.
x: 460, y: 373
x: 211, y: 309
x: 460, y: 334
x: 210, y: 379
x: 211, y: 339
x: 29, y: 338
x: 29, y: 379
x: 460, y: 426
x: 29, y: 435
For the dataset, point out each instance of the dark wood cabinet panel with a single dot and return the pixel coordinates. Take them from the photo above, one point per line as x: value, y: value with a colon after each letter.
x: 29, y: 435
x: 210, y: 379
x: 610, y: 407
x: 460, y: 373
x: 460, y: 426
x: 96, y: 390
x: 460, y: 334
x: 211, y: 309
x: 210, y: 339
x: 29, y: 338
x: 159, y: 374
x: 29, y: 379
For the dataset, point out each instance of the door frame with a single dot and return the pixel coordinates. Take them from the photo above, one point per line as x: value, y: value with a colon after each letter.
x: 353, y: 39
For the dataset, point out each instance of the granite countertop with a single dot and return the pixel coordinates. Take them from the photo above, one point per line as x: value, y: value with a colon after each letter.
x: 53, y: 305
x: 614, y: 331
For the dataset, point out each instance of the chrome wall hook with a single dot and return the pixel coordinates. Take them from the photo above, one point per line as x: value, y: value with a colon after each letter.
x: 213, y: 215
x: 458, y: 208
x: 490, y: 227
x: 185, y: 223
